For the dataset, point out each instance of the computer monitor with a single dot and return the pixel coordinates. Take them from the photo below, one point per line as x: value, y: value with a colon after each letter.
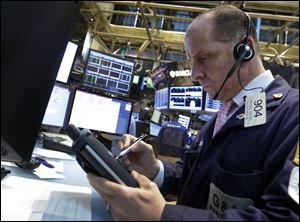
x: 57, y: 107
x: 186, y: 98
x: 66, y: 63
x: 212, y: 105
x: 100, y: 113
x: 184, y: 120
x: 154, y: 129
x: 156, y: 116
x: 108, y: 73
x: 34, y: 36
x: 161, y: 100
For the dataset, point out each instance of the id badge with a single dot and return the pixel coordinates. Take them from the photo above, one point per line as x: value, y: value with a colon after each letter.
x: 255, y: 110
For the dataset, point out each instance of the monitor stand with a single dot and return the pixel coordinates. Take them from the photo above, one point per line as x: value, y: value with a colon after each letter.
x: 4, y: 172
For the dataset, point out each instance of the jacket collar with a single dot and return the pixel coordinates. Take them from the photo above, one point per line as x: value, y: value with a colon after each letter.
x: 275, y: 94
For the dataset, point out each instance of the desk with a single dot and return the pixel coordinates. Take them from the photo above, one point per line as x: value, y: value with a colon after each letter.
x: 75, y: 176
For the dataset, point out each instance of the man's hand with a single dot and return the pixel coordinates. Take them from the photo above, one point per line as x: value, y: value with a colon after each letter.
x: 127, y: 203
x: 141, y: 157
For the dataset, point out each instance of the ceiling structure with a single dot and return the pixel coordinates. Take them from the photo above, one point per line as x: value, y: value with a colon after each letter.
x: 111, y: 38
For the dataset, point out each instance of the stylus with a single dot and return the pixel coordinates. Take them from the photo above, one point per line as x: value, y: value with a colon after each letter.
x: 125, y: 152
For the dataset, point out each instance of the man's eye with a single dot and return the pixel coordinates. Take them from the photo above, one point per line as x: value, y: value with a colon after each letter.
x: 202, y: 59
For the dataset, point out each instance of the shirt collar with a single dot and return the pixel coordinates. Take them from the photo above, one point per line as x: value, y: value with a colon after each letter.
x: 261, y: 81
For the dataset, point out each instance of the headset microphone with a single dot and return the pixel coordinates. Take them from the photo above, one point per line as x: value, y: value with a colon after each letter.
x: 233, y: 68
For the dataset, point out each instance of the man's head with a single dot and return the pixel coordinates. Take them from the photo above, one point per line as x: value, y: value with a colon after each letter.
x: 210, y: 42
x: 174, y: 116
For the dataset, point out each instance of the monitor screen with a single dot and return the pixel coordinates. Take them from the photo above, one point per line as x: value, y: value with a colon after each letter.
x: 66, y: 63
x: 212, y: 105
x: 161, y: 99
x: 156, y: 116
x: 186, y: 97
x: 108, y: 73
x: 184, y: 120
x: 154, y: 129
x: 100, y: 113
x: 57, y: 107
x: 34, y: 36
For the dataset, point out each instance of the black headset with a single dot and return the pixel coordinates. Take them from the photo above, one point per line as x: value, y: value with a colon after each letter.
x: 242, y: 52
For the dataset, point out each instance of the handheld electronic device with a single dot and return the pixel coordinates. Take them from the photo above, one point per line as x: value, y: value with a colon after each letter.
x: 94, y: 157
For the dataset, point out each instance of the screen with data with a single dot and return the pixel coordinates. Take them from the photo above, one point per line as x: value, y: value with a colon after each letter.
x: 156, y: 116
x: 154, y: 129
x: 57, y: 107
x: 100, y: 113
x: 161, y: 99
x: 186, y: 98
x: 108, y: 73
x: 184, y: 120
x: 212, y: 105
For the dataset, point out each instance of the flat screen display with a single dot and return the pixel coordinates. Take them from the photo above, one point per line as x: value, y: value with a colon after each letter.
x: 184, y: 120
x: 156, y: 116
x: 66, y: 63
x: 212, y: 105
x: 154, y: 129
x: 100, y: 113
x: 108, y: 73
x: 186, y: 98
x: 161, y: 99
x: 57, y: 107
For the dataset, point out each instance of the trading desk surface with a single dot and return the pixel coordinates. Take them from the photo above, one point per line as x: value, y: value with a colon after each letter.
x: 74, y: 176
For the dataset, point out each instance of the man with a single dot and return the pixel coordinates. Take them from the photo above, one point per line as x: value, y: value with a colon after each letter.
x: 173, y: 137
x: 243, y: 170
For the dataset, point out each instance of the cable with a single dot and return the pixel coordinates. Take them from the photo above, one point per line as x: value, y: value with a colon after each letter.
x: 239, y: 78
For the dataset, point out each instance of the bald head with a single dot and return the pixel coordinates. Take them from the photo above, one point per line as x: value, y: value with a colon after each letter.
x: 228, y: 24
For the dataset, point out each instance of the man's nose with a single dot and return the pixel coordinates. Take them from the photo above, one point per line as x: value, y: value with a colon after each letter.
x: 197, y: 73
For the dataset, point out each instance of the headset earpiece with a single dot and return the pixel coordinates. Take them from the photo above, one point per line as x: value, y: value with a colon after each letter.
x: 244, y: 45
x: 240, y: 48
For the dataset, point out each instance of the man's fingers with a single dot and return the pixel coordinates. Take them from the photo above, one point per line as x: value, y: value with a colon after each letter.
x: 126, y: 141
x: 142, y: 180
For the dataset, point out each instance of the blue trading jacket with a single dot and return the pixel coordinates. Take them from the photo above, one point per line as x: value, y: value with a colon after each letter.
x: 242, y: 173
x: 177, y: 136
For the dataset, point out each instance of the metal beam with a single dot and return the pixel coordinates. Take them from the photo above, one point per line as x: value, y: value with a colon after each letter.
x: 199, y: 10
x: 286, y: 50
x: 142, y: 48
x: 105, y: 34
x: 147, y: 29
x: 106, y: 49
